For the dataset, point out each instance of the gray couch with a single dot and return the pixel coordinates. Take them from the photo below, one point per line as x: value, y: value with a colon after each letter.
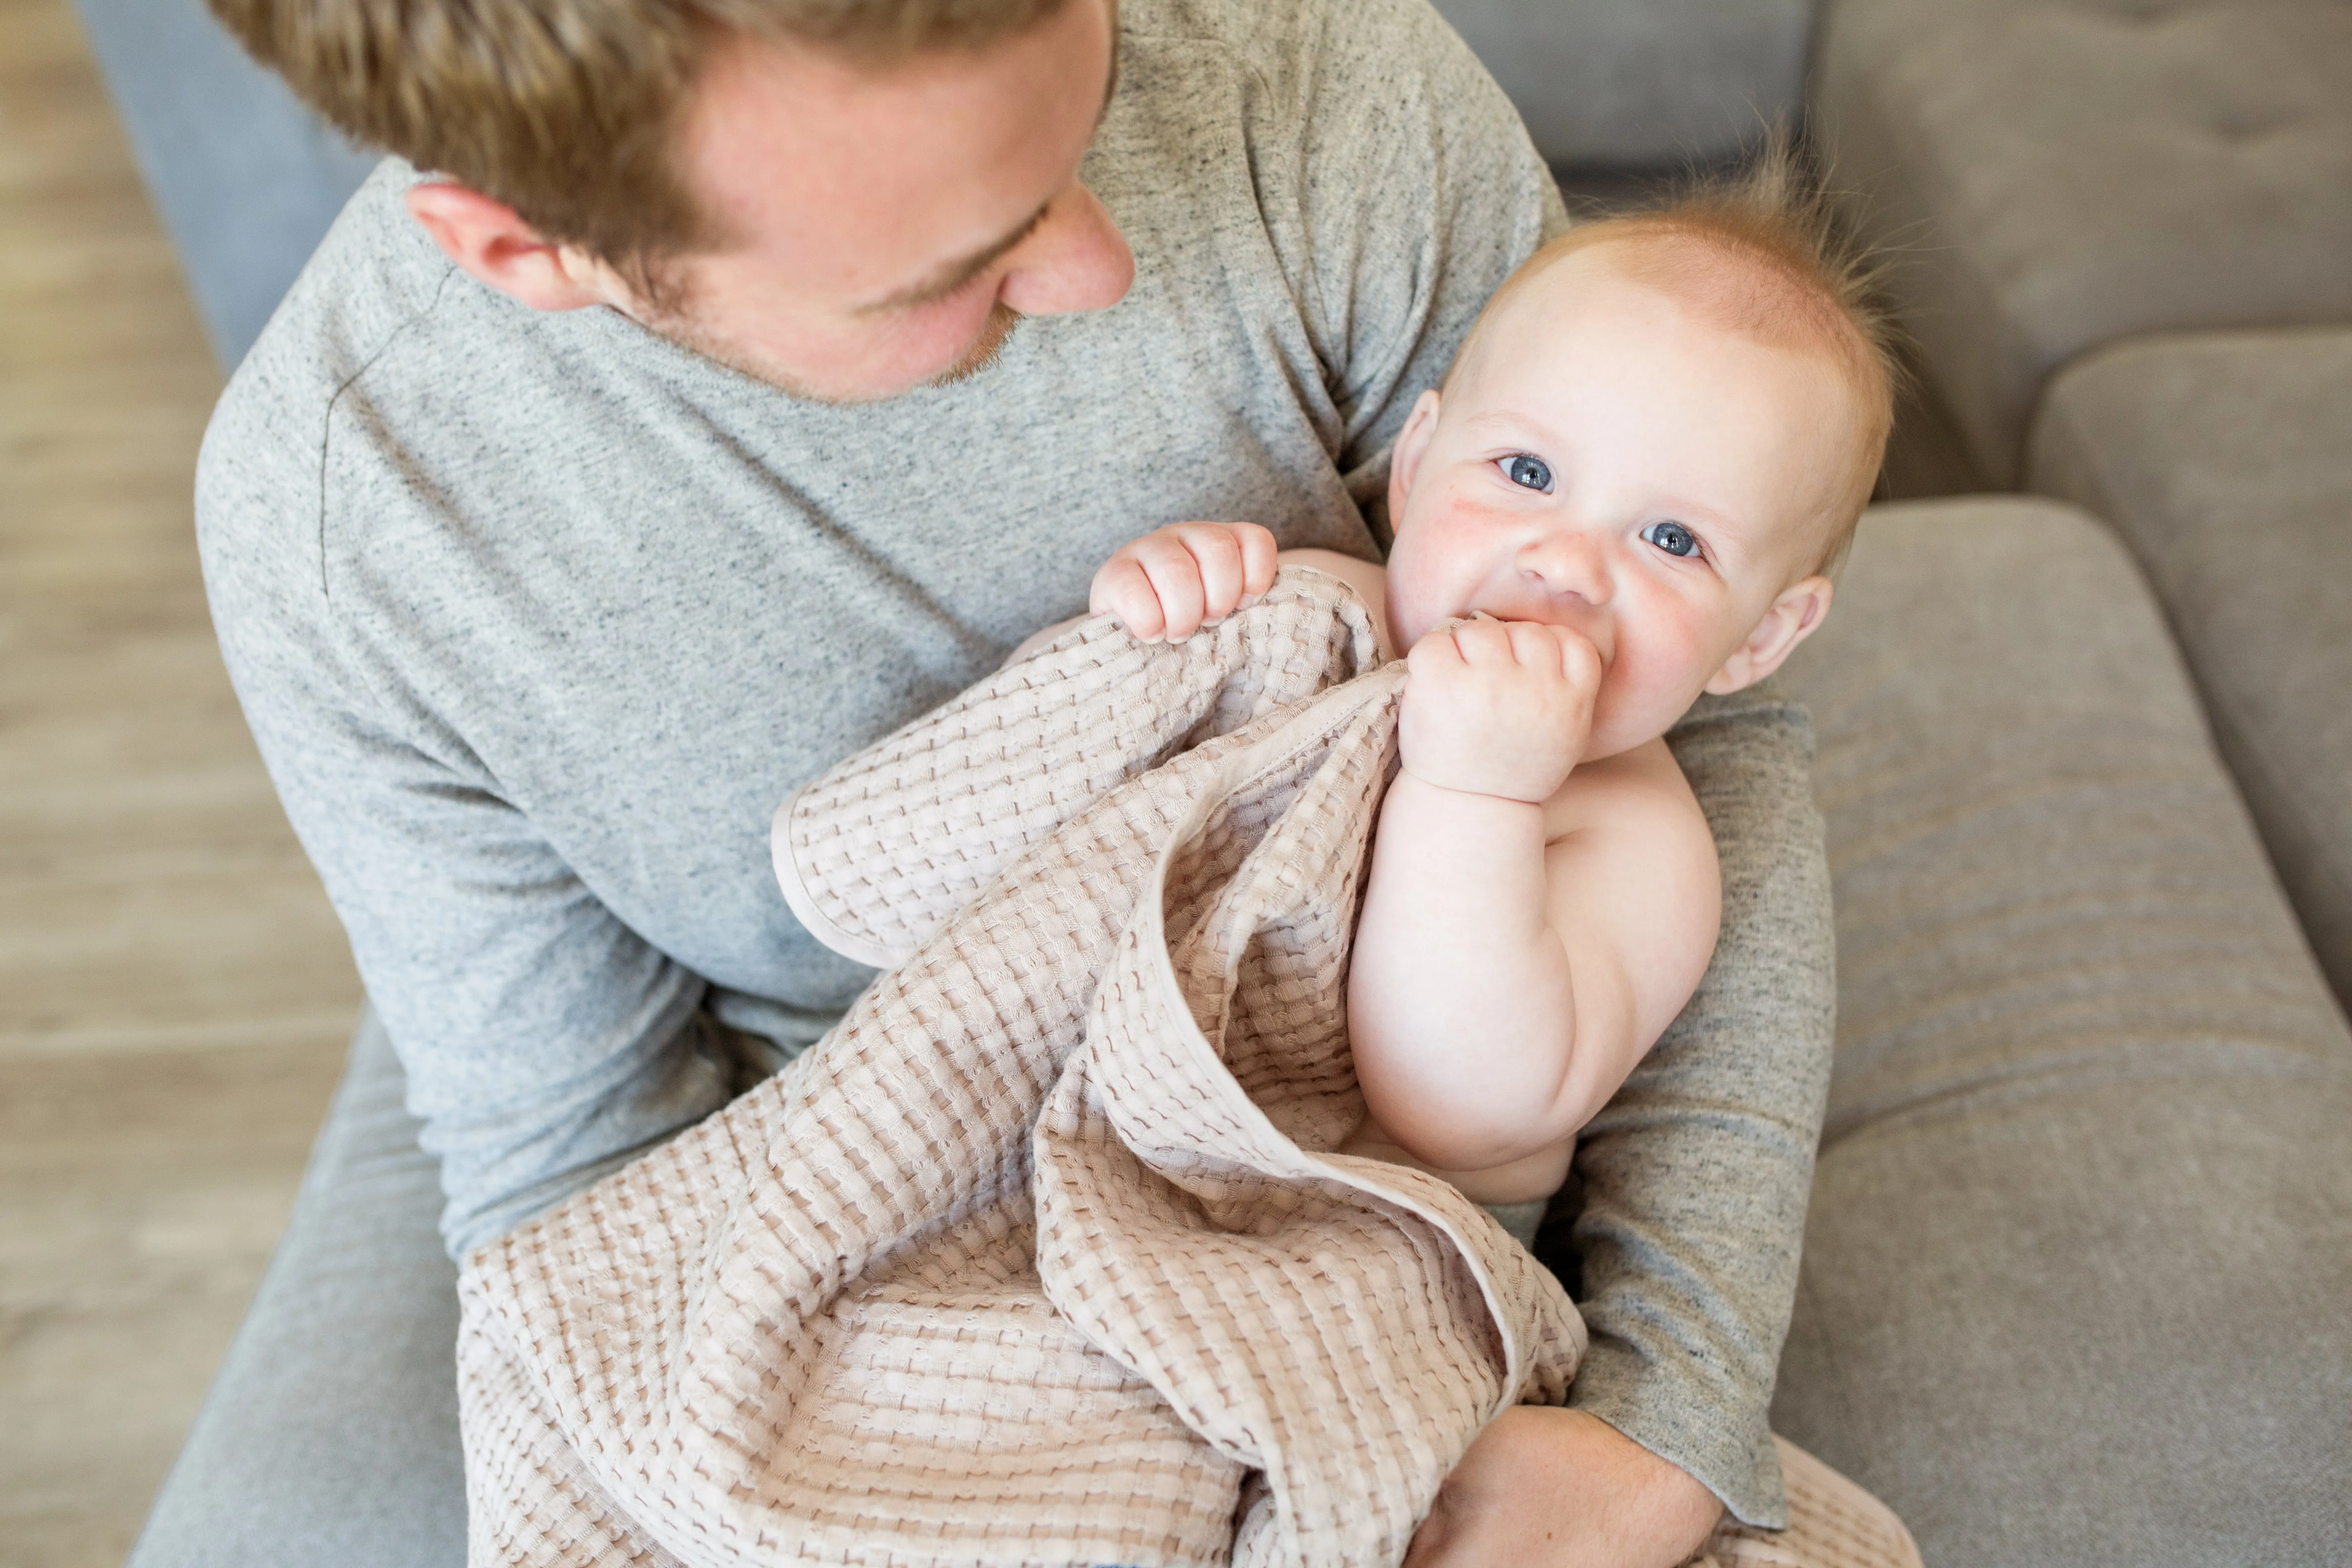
x: 2077, y: 1271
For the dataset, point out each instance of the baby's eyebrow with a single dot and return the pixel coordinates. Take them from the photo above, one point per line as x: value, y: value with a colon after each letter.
x: 1512, y: 421
x: 1718, y: 526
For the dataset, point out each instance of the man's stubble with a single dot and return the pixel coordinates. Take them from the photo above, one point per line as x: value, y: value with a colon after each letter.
x: 678, y: 324
x: 985, y: 350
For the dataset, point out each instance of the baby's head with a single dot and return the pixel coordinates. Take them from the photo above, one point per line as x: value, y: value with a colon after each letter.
x: 1660, y: 433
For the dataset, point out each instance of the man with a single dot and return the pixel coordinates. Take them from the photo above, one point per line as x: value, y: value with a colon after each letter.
x: 752, y: 377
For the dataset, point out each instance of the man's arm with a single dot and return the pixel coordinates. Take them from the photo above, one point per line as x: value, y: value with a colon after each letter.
x: 545, y: 1042
x: 1696, y: 1174
x: 1696, y: 1177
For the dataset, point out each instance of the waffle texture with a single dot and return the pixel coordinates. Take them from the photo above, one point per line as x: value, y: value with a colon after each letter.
x: 1042, y: 1255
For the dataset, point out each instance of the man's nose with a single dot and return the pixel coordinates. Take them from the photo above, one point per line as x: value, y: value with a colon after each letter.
x: 1075, y: 260
x: 1568, y: 561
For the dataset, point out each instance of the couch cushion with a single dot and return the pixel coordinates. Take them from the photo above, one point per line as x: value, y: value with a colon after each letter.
x: 1644, y: 84
x: 2063, y: 173
x: 2225, y: 462
x: 2080, y: 1235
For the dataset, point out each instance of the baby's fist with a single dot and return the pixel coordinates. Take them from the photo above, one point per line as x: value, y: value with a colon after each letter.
x: 1500, y: 708
x: 1175, y: 580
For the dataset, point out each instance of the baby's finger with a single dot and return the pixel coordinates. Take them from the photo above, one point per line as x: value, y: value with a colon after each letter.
x: 1485, y: 642
x: 1541, y: 648
x: 1259, y: 560
x: 1217, y: 560
x: 1175, y: 578
x: 1579, y: 658
x: 1123, y: 588
x: 1434, y: 654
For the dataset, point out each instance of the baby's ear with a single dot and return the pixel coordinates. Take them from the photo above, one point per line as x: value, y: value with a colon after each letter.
x: 1789, y: 621
x: 1404, y: 458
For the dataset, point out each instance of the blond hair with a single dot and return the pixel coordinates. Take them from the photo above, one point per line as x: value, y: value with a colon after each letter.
x: 1761, y: 252
x: 568, y: 111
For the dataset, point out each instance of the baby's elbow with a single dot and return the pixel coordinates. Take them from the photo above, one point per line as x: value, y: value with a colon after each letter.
x: 1469, y: 1102
x: 1464, y: 1138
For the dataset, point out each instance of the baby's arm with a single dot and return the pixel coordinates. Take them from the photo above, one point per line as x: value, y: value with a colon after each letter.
x: 1519, y: 951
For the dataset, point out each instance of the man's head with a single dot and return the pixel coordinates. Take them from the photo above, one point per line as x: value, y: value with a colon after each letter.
x: 1660, y: 434
x: 846, y: 197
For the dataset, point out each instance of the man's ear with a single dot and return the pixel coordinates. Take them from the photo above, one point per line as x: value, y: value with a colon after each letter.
x: 493, y: 244
x: 1789, y: 621
x: 1404, y: 458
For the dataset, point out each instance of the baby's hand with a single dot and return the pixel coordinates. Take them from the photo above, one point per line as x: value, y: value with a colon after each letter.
x: 1173, y: 581
x: 1500, y: 708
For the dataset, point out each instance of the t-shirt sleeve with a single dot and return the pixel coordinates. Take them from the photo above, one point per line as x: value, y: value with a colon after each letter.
x: 544, y: 1042
x: 1413, y: 193
x: 1695, y: 1176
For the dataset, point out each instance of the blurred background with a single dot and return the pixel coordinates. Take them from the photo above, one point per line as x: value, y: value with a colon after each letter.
x: 175, y: 993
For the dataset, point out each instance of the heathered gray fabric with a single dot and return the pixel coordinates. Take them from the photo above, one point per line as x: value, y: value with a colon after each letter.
x: 2075, y: 1276
x: 330, y: 1432
x: 2224, y: 460
x: 537, y: 618
x: 1695, y: 1176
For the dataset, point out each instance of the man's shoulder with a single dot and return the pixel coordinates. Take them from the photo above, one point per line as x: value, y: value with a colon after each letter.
x: 1346, y: 108
x: 373, y: 277
x: 1294, y: 46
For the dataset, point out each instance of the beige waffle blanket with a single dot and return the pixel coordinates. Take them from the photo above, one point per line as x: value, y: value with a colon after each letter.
x: 1040, y: 1255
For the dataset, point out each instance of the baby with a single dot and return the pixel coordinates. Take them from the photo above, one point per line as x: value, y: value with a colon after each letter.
x: 1650, y: 451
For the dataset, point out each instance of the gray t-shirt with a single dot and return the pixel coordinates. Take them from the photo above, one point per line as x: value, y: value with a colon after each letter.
x: 536, y: 617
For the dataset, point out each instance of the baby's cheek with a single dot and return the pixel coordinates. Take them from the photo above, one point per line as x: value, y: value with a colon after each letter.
x: 1428, y: 570
x: 1651, y: 682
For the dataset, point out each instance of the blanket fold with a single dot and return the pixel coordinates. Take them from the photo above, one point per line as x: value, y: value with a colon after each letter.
x: 1042, y: 1255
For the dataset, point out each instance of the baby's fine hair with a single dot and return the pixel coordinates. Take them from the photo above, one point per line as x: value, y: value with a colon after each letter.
x: 1760, y: 250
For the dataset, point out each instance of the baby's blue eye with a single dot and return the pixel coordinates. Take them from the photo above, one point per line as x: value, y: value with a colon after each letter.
x: 1532, y: 472
x: 1673, y: 538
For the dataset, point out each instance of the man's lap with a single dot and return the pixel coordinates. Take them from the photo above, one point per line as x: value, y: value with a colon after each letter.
x: 330, y: 1434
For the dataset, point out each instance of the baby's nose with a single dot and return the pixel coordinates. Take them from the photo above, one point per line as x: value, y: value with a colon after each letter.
x: 1568, y: 561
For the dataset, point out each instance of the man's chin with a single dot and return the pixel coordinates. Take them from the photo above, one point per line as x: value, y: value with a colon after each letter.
x: 985, y: 352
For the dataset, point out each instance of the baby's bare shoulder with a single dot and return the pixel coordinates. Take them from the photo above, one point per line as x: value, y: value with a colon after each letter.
x: 1632, y: 870
x: 1639, y: 791
x: 1369, y: 578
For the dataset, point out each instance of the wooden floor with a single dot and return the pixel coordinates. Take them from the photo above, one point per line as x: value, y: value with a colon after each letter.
x: 175, y: 993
